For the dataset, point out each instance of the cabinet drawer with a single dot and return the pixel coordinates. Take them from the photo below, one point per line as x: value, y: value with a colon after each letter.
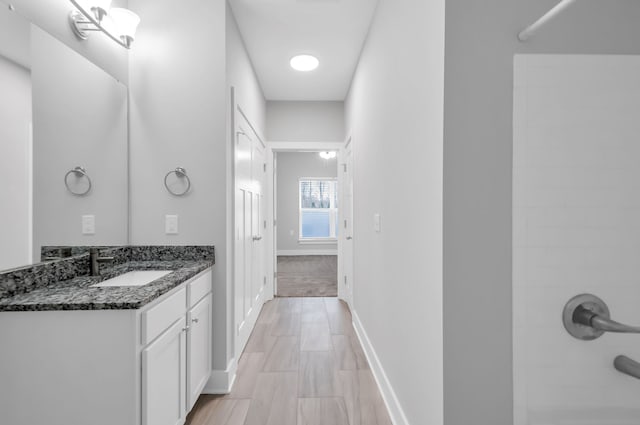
x: 199, y: 287
x: 160, y: 317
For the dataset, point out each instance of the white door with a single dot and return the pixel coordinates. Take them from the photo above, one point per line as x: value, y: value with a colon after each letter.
x: 164, y: 378
x: 346, y: 281
x: 198, y: 349
x: 250, y: 172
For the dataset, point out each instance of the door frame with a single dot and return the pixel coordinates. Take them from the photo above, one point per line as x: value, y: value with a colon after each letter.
x: 271, y: 235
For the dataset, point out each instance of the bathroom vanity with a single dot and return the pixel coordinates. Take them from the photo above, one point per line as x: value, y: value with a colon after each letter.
x: 86, y: 351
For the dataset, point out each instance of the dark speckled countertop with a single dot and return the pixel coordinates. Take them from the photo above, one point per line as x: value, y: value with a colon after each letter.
x: 77, y: 294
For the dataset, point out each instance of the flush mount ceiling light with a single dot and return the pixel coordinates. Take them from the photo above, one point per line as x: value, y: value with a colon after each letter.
x: 97, y: 15
x: 327, y: 155
x: 304, y: 63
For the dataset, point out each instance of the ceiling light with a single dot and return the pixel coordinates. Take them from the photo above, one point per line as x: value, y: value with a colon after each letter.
x: 304, y: 63
x: 327, y: 155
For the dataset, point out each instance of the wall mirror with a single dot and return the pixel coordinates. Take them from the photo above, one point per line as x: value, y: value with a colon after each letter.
x: 58, y: 112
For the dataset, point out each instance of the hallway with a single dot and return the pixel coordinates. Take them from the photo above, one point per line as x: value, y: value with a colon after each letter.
x: 303, y: 365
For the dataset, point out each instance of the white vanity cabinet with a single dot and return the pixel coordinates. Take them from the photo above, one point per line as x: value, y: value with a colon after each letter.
x: 176, y: 362
x: 198, y: 349
x: 106, y: 367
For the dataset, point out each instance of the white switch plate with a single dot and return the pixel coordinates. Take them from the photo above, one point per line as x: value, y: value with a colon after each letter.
x: 88, y: 224
x: 376, y: 222
x: 171, y: 224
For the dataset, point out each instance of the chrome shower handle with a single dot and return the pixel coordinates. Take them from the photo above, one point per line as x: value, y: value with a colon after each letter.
x: 587, y: 317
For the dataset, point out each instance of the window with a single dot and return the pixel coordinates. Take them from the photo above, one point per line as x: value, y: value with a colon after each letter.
x: 318, y: 208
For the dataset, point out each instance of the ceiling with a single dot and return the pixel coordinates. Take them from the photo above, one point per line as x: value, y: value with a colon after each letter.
x: 332, y: 30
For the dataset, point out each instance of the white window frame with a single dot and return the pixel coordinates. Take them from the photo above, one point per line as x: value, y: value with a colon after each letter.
x: 333, y: 212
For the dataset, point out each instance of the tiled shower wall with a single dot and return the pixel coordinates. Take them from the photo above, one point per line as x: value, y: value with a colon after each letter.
x: 576, y: 229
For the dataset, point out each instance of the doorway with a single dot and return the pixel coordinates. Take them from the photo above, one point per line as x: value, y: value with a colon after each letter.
x: 304, y: 264
x: 306, y: 205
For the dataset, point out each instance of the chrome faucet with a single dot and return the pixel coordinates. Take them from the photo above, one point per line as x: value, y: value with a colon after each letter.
x: 95, y: 260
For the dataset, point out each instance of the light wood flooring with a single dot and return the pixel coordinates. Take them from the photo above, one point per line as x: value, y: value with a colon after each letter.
x: 308, y: 276
x: 303, y: 365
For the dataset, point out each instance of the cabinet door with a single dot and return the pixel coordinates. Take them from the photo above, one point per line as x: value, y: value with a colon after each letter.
x: 198, y: 349
x: 164, y: 378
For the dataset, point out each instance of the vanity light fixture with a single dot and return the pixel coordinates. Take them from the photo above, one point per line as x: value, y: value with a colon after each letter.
x: 97, y: 15
x: 328, y: 155
x: 304, y: 63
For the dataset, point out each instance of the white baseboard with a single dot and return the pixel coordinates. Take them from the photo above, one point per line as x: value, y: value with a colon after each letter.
x: 388, y: 395
x: 289, y: 252
x: 221, y: 381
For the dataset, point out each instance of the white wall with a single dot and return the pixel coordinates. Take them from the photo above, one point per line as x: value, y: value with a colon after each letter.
x: 395, y: 116
x: 480, y: 44
x: 575, y: 220
x: 291, y: 167
x: 79, y: 119
x: 289, y: 121
x: 15, y: 164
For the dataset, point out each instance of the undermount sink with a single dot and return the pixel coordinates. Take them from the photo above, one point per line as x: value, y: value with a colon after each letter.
x: 134, y: 278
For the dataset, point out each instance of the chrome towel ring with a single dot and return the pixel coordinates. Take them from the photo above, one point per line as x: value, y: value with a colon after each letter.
x: 182, y: 174
x: 78, y: 172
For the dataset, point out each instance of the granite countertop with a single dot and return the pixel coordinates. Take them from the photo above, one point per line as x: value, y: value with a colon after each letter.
x: 77, y: 293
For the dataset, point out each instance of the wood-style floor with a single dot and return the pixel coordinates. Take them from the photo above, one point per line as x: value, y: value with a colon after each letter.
x: 303, y: 365
x: 308, y: 276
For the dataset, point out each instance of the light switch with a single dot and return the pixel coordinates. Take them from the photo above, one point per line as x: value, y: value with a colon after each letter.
x: 376, y: 222
x: 171, y: 224
x: 88, y: 224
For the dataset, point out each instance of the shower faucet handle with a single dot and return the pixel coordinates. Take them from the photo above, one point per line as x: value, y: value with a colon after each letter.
x: 587, y: 317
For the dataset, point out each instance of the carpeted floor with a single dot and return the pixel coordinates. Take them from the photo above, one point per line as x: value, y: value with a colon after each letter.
x: 308, y: 276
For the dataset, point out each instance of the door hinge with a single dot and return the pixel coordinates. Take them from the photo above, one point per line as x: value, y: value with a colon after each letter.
x: 275, y: 275
x: 274, y: 222
x: 345, y: 280
x: 264, y: 167
x: 264, y: 281
x: 265, y: 224
x: 344, y: 166
x: 345, y: 224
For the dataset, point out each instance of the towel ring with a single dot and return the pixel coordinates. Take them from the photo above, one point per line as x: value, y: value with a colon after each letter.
x: 78, y: 172
x: 180, y: 173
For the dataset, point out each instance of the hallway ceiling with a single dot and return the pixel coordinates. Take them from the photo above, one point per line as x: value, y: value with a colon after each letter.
x: 332, y: 30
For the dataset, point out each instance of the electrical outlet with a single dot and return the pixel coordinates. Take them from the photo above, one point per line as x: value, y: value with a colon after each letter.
x: 171, y: 224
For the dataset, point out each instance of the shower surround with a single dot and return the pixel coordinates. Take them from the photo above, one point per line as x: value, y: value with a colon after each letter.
x: 576, y: 229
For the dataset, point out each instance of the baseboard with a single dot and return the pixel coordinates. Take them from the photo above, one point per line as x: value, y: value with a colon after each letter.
x: 289, y: 252
x: 221, y: 381
x: 388, y: 395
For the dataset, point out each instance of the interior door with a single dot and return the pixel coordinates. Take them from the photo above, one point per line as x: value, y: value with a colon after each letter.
x: 347, y: 226
x: 250, y: 173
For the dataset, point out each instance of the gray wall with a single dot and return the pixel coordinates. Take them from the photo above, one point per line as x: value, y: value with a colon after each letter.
x: 289, y: 121
x: 291, y: 166
x: 15, y: 164
x: 480, y: 44
x: 395, y: 119
x: 178, y: 105
x: 248, y: 95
